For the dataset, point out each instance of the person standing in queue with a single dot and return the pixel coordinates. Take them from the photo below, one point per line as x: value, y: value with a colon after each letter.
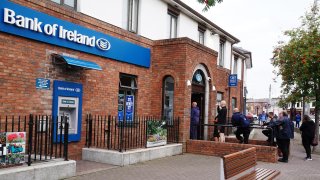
x: 242, y: 124
x: 194, y: 121
x: 298, y: 119
x: 283, y: 135
x: 307, y: 133
x: 221, y: 119
x: 270, y: 132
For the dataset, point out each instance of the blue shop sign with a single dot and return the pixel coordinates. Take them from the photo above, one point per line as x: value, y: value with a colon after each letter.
x: 233, y: 80
x: 22, y: 21
x: 42, y: 83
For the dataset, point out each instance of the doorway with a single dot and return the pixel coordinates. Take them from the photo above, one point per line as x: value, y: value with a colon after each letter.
x: 198, y: 96
x: 199, y: 99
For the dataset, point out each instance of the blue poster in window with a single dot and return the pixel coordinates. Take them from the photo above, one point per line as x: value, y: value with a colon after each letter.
x: 129, y: 108
x: 233, y: 80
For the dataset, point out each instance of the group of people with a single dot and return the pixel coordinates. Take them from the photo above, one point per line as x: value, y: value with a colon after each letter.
x: 279, y: 127
x: 282, y: 129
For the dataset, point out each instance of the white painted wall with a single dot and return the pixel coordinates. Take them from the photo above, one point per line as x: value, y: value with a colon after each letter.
x: 188, y: 27
x: 110, y: 11
x: 154, y: 19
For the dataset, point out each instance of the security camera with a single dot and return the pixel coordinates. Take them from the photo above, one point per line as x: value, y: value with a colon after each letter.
x: 208, y: 78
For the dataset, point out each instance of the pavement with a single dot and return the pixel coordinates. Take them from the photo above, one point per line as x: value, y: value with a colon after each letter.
x: 199, y: 167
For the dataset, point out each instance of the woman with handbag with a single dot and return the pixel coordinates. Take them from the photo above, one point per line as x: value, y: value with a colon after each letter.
x: 307, y: 133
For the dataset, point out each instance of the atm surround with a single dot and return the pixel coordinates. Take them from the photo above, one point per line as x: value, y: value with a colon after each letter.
x: 67, y: 101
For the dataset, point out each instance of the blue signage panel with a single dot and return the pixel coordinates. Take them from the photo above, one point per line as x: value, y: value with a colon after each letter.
x: 129, y: 108
x: 28, y: 23
x: 42, y: 83
x: 72, y: 90
x: 233, y: 80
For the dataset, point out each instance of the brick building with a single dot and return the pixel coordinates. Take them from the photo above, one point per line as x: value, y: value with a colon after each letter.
x: 111, y: 63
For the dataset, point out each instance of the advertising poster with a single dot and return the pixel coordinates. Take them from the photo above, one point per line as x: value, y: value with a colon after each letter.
x: 156, y: 133
x: 16, y: 147
x: 129, y: 108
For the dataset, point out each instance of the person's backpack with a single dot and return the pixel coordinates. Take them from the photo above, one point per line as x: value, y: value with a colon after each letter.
x: 244, y: 121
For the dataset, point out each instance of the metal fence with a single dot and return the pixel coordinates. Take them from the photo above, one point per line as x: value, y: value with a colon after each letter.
x: 45, y: 139
x: 109, y: 133
x: 229, y: 128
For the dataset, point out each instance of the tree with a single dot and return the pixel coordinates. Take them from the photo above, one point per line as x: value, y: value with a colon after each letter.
x: 298, y: 61
x: 209, y: 3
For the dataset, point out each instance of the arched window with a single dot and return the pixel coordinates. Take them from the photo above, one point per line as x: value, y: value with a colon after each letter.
x: 198, y: 78
x: 167, y: 102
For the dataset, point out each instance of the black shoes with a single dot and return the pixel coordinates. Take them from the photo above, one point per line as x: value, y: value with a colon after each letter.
x: 282, y: 160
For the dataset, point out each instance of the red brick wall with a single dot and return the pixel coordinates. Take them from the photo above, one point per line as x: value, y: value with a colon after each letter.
x: 23, y: 60
x: 212, y: 148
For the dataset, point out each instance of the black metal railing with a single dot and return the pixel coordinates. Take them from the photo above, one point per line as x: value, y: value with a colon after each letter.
x: 230, y: 127
x: 109, y: 133
x: 45, y: 138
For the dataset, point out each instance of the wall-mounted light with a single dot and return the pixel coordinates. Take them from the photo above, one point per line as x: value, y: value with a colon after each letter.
x: 213, y: 88
x: 188, y: 83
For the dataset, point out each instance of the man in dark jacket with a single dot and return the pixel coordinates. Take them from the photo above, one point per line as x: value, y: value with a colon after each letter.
x: 194, y: 121
x: 242, y: 124
x: 283, y: 135
x: 221, y: 118
x: 270, y: 132
x: 307, y: 133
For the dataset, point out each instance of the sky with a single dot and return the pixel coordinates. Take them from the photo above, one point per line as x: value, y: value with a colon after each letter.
x: 259, y: 24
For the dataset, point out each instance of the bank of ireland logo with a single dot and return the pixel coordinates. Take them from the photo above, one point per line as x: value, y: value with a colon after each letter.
x: 78, y: 90
x: 103, y: 44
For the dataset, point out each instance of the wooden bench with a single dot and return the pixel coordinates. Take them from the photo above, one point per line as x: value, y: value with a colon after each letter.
x: 242, y: 165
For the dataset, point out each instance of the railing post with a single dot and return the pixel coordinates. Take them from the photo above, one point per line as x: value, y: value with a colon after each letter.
x: 121, y: 135
x: 108, y: 132
x: 90, y: 131
x: 178, y: 128
x: 66, y: 138
x: 30, y: 139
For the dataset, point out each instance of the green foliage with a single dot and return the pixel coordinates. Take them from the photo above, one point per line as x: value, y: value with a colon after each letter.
x: 209, y: 3
x: 298, y: 62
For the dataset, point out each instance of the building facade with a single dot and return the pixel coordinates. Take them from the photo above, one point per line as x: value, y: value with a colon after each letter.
x: 80, y: 57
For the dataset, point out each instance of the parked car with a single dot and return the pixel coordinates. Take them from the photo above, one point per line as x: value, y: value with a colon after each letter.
x: 255, y: 117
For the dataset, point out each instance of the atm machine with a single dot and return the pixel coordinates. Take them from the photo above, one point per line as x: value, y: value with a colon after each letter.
x: 68, y: 106
x: 67, y: 101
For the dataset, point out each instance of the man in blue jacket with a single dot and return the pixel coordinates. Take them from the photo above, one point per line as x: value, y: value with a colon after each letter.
x: 194, y: 121
x: 283, y: 135
x: 242, y: 124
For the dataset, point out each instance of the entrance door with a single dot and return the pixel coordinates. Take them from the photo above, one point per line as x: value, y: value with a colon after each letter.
x: 199, y: 99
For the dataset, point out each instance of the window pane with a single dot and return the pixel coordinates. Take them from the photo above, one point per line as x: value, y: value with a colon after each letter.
x: 201, y: 37
x: 219, y: 97
x: 69, y: 2
x: 128, y: 81
x: 173, y: 26
x: 235, y: 66
x: 133, y: 15
x: 168, y: 98
x: 57, y: 1
x: 221, y: 54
